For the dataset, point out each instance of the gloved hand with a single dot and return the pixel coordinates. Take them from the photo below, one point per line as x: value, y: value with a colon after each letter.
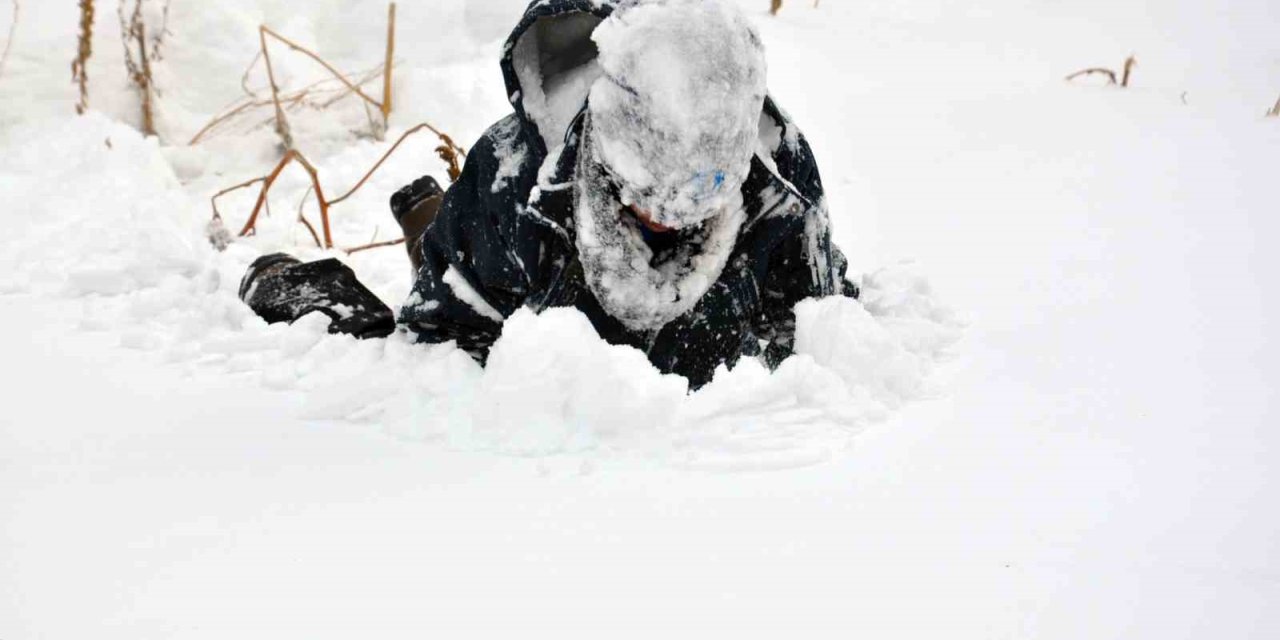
x: 281, y: 288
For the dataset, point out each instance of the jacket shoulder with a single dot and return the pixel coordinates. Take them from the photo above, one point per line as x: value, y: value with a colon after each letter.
x: 503, y: 162
x: 784, y: 146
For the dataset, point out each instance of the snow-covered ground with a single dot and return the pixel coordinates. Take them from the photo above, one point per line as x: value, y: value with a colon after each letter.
x: 1094, y: 457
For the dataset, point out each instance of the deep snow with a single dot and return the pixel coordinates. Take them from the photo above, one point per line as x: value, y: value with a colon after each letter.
x: 1096, y: 460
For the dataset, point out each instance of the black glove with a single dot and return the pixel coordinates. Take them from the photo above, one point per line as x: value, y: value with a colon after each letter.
x: 404, y: 200
x: 280, y: 288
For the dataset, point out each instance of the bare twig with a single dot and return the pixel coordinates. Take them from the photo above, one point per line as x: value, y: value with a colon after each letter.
x: 1129, y: 64
x: 244, y: 79
x: 303, y: 219
x: 1111, y: 75
x: 217, y: 120
x: 386, y: 64
x: 289, y: 100
x: 140, y: 50
x: 158, y: 38
x: 79, y: 66
x: 282, y: 102
x: 1275, y: 111
x: 263, y: 32
x: 13, y: 27
x: 243, y: 185
x: 290, y: 156
x: 343, y: 92
x: 448, y: 144
x: 374, y: 245
x: 282, y: 125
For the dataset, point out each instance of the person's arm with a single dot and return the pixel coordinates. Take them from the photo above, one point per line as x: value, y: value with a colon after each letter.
x: 806, y: 264
x: 470, y: 279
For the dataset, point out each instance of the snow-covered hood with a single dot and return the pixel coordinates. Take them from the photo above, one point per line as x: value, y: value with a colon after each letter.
x: 676, y: 87
x: 676, y: 113
x: 549, y: 63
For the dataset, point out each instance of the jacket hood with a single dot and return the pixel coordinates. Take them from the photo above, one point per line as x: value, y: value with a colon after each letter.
x: 549, y: 64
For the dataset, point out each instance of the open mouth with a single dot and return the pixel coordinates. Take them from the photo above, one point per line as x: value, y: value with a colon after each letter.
x: 644, y: 219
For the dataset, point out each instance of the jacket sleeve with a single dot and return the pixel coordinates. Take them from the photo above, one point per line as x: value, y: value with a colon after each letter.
x: 804, y: 264
x: 470, y: 279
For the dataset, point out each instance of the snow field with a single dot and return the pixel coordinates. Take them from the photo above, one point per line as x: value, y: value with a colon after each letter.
x: 1095, y: 460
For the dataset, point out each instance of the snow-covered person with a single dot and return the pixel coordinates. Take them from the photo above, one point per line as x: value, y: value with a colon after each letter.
x: 646, y: 178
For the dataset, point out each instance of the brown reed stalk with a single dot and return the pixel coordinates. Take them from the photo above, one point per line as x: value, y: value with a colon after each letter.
x: 375, y: 245
x: 281, y: 123
x: 386, y: 64
x: 8, y: 43
x: 1111, y: 75
x: 243, y: 185
x: 289, y: 157
x: 80, y: 66
x: 288, y: 100
x: 133, y: 32
x: 303, y: 219
x: 447, y: 143
x: 1123, y: 81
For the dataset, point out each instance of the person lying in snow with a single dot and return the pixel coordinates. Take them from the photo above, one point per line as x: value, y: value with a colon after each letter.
x: 646, y: 178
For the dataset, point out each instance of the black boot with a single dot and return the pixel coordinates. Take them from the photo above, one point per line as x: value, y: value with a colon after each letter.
x: 280, y: 288
x: 415, y: 207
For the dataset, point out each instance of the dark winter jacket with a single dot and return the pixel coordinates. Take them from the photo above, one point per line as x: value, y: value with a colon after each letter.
x: 504, y: 237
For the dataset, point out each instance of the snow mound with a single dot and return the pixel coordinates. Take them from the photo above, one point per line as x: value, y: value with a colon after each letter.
x: 551, y: 385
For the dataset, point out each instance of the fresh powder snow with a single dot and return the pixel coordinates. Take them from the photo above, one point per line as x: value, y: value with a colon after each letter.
x: 1050, y: 414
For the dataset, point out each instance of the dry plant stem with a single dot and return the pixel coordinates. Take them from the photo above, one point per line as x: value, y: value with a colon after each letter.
x: 1129, y: 63
x: 449, y: 153
x: 344, y: 92
x: 307, y: 223
x: 145, y: 83
x: 243, y: 185
x: 378, y: 164
x: 290, y: 156
x: 4, y: 57
x: 79, y: 67
x: 265, y: 31
x: 386, y: 64
x: 134, y: 28
x: 374, y: 245
x: 1111, y: 75
x: 244, y: 79
x: 223, y: 118
x: 1275, y: 111
x: 282, y: 125
x: 303, y: 219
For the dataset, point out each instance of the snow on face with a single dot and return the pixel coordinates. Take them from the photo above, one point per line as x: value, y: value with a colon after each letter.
x: 677, y: 110
x: 642, y: 290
